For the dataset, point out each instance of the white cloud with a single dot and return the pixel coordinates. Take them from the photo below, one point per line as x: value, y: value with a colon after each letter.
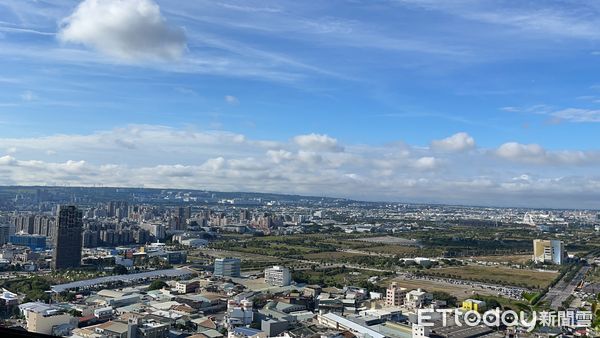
x: 165, y: 157
x: 7, y: 160
x: 578, y: 115
x: 231, y: 99
x: 317, y: 142
x: 457, y: 142
x: 279, y: 156
x: 132, y: 30
x: 536, y: 154
x: 426, y: 163
x: 521, y: 152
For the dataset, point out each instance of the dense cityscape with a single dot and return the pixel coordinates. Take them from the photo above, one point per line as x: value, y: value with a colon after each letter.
x: 124, y: 262
x: 299, y: 169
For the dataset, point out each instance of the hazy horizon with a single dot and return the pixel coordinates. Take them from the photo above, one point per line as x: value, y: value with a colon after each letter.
x: 465, y: 103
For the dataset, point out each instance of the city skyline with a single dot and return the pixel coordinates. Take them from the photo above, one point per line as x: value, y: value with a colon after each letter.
x: 426, y: 102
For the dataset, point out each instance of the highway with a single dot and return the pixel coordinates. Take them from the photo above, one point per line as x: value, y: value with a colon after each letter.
x: 564, y: 288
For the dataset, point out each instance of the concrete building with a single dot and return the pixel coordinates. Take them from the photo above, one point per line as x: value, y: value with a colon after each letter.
x: 187, y: 286
x: 416, y: 299
x: 239, y: 313
x: 274, y: 327
x: 548, y: 251
x: 4, y: 233
x: 68, y: 238
x: 227, y: 267
x: 278, y: 276
x: 395, y: 295
x: 338, y: 322
x: 34, y: 242
x: 43, y: 318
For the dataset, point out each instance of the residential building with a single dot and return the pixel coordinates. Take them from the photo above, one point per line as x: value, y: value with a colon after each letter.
x: 187, y: 286
x: 43, y: 318
x: 395, y: 295
x: 416, y: 299
x: 278, y: 276
x: 239, y: 313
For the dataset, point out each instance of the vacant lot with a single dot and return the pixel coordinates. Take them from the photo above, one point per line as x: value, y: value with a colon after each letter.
x: 498, y: 275
x: 390, y: 240
x: 461, y: 292
x: 510, y: 259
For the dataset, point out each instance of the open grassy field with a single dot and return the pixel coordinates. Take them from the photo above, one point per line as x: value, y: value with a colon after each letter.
x: 332, y: 256
x: 292, y: 246
x: 389, y: 240
x: 402, y: 251
x: 498, y: 275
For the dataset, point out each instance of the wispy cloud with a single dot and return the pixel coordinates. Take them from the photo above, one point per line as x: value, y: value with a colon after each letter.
x: 579, y: 115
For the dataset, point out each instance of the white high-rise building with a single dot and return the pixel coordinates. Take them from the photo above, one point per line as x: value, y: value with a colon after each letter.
x: 278, y: 275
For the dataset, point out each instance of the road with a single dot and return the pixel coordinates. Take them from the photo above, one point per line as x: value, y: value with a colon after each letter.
x: 564, y: 288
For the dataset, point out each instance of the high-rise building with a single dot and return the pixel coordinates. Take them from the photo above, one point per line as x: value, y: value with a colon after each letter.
x: 245, y: 215
x: 278, y: 275
x: 67, y: 238
x: 227, y: 267
x: 548, y: 251
x: 4, y: 233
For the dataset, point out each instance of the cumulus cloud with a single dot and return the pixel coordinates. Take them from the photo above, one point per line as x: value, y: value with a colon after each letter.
x: 317, y: 142
x: 166, y: 157
x: 457, y: 142
x: 7, y: 160
x: 521, y: 152
x: 536, y: 154
x: 426, y: 163
x: 130, y: 30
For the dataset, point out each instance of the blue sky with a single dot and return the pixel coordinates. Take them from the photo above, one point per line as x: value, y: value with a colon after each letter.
x: 340, y: 98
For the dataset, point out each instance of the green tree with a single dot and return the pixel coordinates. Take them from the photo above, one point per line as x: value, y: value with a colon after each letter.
x: 157, y: 285
x: 120, y: 270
